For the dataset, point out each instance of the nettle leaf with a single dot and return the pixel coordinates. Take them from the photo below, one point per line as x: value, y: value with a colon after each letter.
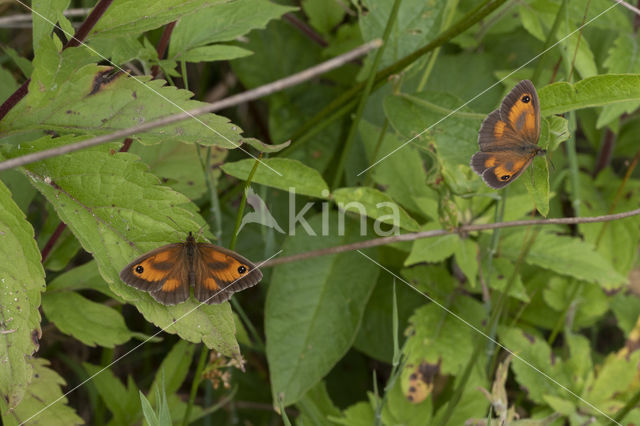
x: 455, y: 138
x: 44, y: 389
x: 558, y: 98
x: 133, y: 17
x: 21, y: 282
x: 91, y: 99
x: 224, y: 21
x: 295, y: 176
x: 118, y: 211
x: 377, y: 205
x: 90, y: 322
x: 566, y: 256
x: 311, y: 316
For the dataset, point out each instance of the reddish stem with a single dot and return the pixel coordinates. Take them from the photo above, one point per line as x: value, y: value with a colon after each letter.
x: 162, y: 47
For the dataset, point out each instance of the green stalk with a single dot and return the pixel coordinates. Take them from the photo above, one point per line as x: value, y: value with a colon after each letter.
x: 346, y: 149
x: 197, y: 378
x: 243, y: 202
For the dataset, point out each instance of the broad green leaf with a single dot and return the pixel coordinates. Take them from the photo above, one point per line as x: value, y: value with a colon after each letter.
x: 501, y: 273
x: 296, y: 177
x: 402, y: 174
x: 224, y: 21
x: 454, y: 137
x: 537, y: 184
x: 377, y: 205
x: 121, y: 400
x: 314, y: 308
x: 466, y: 255
x: 129, y: 215
x: 591, y: 92
x: 22, y: 192
x: 133, y: 17
x: 434, y: 249
x: 21, y: 281
x: 90, y: 99
x: 626, y: 307
x: 87, y: 321
x: 81, y: 277
x: 324, y: 15
x: 218, y: 52
x: 43, y: 390
x: 316, y: 406
x: 399, y: 410
x: 174, y: 368
x: 587, y: 308
x: 566, y: 256
x: 613, y: 378
x: 358, y: 414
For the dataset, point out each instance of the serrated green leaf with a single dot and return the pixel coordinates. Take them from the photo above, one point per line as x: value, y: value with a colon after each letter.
x: 91, y: 100
x: 296, y: 176
x: 21, y: 281
x: 434, y: 249
x: 311, y: 316
x: 118, y: 211
x: 566, y: 256
x: 90, y: 322
x: 375, y: 204
x: 133, y: 17
x: 222, y: 22
x: 43, y: 390
x: 613, y: 378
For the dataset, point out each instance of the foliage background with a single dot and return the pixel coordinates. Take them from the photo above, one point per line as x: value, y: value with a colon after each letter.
x: 313, y: 334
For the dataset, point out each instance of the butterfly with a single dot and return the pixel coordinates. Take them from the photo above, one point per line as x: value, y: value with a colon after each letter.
x: 169, y: 272
x: 508, y: 137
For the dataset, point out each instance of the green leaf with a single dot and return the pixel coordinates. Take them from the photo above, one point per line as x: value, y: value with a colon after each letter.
x: 566, y: 256
x: 130, y: 215
x: 22, y: 281
x: 224, y: 21
x: 455, y: 139
x: 174, y: 368
x: 466, y: 254
x: 89, y: 100
x: 147, y: 410
x: 81, y: 277
x: 359, y: 414
x: 218, y: 52
x: 323, y: 15
x: 434, y: 249
x: 121, y: 400
x: 591, y: 92
x: 44, y: 389
x: 538, y: 185
x: 377, y: 205
x: 133, y: 17
x: 311, y: 316
x: 296, y: 176
x: 90, y: 322
x: 613, y: 378
x: 316, y: 406
x: 399, y: 410
x: 402, y: 174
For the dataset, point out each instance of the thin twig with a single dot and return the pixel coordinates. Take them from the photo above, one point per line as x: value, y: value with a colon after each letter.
x: 439, y: 232
x: 250, y: 95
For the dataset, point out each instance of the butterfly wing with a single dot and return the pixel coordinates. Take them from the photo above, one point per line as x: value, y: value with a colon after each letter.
x: 220, y: 272
x: 163, y: 272
x: 500, y: 168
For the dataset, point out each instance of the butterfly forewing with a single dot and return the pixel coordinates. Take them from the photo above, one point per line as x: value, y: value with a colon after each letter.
x: 219, y: 273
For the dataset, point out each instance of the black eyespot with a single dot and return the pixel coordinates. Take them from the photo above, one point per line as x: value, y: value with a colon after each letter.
x: 139, y: 269
x: 242, y: 269
x: 505, y: 177
x: 526, y: 99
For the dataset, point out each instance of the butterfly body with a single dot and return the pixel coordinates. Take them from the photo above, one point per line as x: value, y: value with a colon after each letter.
x: 169, y: 272
x: 508, y: 137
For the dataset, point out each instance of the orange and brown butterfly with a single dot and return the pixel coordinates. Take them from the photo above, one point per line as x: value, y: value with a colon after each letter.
x: 169, y: 272
x: 508, y: 137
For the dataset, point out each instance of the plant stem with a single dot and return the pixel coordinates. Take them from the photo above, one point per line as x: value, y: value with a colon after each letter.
x: 243, y: 202
x: 197, y: 378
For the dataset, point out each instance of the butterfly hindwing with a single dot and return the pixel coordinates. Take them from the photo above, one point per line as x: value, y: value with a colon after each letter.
x: 220, y: 272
